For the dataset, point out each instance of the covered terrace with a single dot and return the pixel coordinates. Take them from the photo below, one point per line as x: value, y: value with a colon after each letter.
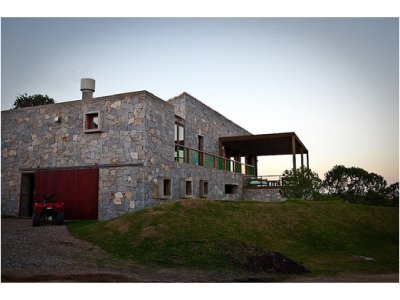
x: 252, y: 146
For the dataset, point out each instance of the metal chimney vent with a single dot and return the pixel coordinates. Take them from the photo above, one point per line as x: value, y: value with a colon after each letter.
x: 87, y: 88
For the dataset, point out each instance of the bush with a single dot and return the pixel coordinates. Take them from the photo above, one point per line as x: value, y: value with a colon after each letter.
x: 357, y: 186
x: 326, y: 197
x: 300, y: 184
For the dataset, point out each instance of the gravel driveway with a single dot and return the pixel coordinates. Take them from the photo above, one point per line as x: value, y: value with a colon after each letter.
x: 44, y: 253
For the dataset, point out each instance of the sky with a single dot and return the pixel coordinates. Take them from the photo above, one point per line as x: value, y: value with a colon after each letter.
x: 333, y: 81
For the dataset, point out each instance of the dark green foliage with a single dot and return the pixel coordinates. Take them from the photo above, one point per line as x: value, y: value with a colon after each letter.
x: 393, y: 194
x: 356, y: 185
x: 32, y: 100
x: 302, y: 184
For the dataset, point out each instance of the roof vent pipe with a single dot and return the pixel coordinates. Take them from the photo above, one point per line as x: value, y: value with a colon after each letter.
x: 87, y: 88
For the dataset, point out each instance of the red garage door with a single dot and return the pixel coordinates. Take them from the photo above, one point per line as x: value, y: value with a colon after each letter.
x: 77, y: 188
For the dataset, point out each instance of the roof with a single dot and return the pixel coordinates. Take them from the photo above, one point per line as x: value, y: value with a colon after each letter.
x: 263, y: 144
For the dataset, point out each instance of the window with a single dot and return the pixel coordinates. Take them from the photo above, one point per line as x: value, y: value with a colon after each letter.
x: 179, y: 134
x: 201, y: 149
x: 186, y: 188
x: 91, y: 122
x: 189, y: 188
x: 203, y: 189
x: 231, y: 188
x: 164, y: 188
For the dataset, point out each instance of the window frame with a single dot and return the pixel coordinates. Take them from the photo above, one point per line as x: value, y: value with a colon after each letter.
x: 163, y: 184
x: 90, y: 115
x: 204, y: 188
x: 178, y: 139
x: 184, y: 188
x: 231, y: 189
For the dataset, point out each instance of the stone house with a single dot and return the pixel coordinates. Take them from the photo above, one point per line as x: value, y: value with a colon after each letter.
x: 109, y: 155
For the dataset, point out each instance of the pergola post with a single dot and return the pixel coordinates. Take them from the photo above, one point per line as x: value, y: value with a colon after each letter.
x: 294, y: 152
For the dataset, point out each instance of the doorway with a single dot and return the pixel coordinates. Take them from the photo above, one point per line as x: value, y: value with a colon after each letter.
x: 27, y: 194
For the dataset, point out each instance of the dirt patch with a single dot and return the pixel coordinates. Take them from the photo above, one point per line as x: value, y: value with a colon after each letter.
x: 153, y: 212
x: 252, y: 258
x: 149, y: 231
x: 272, y: 262
x: 194, y: 203
x: 119, y: 223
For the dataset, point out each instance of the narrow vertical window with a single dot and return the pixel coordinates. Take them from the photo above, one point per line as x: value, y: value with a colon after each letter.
x: 186, y: 188
x: 179, y: 135
x: 201, y: 150
x: 203, y: 188
x: 164, y: 188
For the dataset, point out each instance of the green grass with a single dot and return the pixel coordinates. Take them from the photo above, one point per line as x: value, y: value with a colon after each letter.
x: 327, y: 237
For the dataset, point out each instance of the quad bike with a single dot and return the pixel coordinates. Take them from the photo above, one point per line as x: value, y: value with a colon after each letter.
x: 48, y: 210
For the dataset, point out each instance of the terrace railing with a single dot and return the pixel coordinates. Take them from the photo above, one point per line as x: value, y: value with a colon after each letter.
x: 201, y: 158
x: 263, y: 182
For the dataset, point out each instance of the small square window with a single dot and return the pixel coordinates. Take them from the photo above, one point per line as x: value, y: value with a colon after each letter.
x: 164, y: 188
x: 186, y: 188
x: 231, y: 188
x: 91, y: 122
x: 203, y: 189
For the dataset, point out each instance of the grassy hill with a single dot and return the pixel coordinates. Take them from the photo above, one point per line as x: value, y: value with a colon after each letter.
x: 324, y: 237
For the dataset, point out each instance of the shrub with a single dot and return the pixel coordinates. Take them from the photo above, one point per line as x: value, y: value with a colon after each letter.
x: 301, y: 183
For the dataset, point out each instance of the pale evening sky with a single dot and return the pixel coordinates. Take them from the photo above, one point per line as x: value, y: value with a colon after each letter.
x: 333, y: 81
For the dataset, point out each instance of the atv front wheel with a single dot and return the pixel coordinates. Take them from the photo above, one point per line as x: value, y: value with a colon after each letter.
x: 36, y: 219
x: 60, y: 218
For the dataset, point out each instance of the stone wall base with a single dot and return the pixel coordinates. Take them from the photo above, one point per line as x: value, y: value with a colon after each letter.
x: 267, y: 195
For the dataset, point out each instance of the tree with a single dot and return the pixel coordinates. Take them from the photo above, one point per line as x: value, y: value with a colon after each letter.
x: 393, y: 194
x: 32, y: 100
x: 303, y: 183
x: 355, y: 185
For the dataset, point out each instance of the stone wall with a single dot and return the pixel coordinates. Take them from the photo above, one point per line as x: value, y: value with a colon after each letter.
x: 33, y: 138
x: 216, y: 181
x: 159, y: 141
x: 266, y: 195
x: 202, y: 120
x: 121, y: 190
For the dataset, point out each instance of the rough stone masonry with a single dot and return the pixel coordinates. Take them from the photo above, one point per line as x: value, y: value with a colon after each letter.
x: 133, y: 147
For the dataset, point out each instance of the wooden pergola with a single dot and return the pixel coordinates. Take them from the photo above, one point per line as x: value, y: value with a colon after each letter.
x: 251, y: 146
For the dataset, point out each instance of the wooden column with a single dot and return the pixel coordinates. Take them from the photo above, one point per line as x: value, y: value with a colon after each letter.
x: 308, y: 162
x: 187, y: 155
x: 221, y: 149
x: 254, y: 163
x: 294, y: 152
x: 302, y: 160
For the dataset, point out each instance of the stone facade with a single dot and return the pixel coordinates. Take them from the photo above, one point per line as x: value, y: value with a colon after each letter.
x: 264, y: 195
x: 133, y: 148
x: 204, y: 121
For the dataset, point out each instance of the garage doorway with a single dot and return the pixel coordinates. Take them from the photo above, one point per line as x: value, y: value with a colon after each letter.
x: 27, y: 195
x: 77, y: 188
